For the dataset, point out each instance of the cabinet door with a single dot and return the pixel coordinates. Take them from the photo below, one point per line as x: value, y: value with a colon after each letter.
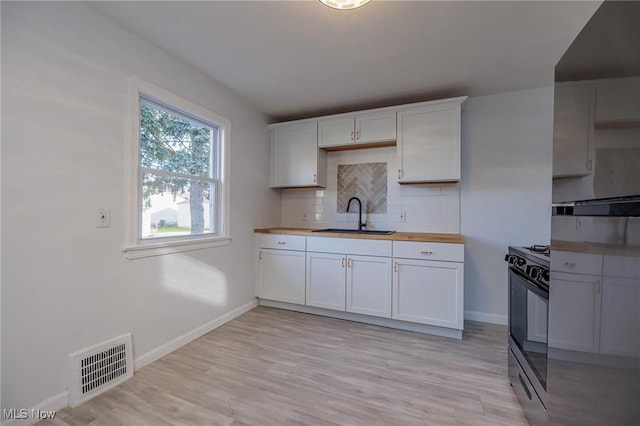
x: 576, y: 328
x: 572, y: 130
x: 369, y: 285
x: 326, y: 280
x: 620, y: 325
x: 428, y: 292
x: 618, y: 102
x: 376, y: 127
x: 295, y: 158
x: 281, y: 275
x: 336, y: 132
x: 428, y: 146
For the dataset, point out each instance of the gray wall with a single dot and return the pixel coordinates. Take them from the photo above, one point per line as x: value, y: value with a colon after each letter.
x: 507, y: 146
x: 65, y: 283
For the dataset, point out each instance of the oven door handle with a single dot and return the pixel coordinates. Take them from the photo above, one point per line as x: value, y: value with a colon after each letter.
x: 530, y: 285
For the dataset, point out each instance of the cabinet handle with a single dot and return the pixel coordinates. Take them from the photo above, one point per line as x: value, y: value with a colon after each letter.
x: 282, y: 243
x: 315, y: 178
x: 351, y: 135
x: 358, y: 135
x: 343, y: 262
x: 569, y: 264
x: 260, y: 255
x: 598, y: 287
x: 399, y: 173
x: 395, y: 266
x: 349, y: 263
x: 426, y: 252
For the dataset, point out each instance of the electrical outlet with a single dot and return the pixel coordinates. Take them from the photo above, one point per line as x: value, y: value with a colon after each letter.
x: 305, y: 217
x: 103, y: 219
x: 403, y: 216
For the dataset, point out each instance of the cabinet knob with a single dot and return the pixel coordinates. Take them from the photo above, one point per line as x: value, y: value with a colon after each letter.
x: 349, y: 263
x: 358, y: 135
x: 352, y: 135
x: 570, y: 264
x: 315, y: 178
x: 260, y: 255
x: 399, y: 173
x: 343, y: 262
x: 282, y: 243
x: 427, y: 252
x: 395, y: 266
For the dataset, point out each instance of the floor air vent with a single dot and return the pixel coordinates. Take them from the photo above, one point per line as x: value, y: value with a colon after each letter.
x: 98, y: 368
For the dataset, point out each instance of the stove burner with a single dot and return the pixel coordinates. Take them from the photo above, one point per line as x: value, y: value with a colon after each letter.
x: 540, y: 249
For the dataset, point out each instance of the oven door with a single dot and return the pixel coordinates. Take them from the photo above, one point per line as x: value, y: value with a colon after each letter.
x: 528, y: 316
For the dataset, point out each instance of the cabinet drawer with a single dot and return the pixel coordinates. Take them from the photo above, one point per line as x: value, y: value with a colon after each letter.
x: 428, y: 251
x: 359, y: 246
x: 576, y: 263
x: 283, y: 242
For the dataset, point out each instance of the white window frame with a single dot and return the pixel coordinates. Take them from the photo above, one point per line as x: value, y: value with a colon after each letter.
x: 137, y: 247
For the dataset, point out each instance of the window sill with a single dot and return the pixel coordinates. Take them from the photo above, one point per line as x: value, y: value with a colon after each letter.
x: 169, y: 247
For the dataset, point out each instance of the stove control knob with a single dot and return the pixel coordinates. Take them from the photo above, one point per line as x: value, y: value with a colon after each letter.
x: 533, y: 271
x: 519, y: 261
x: 507, y: 258
x: 545, y: 274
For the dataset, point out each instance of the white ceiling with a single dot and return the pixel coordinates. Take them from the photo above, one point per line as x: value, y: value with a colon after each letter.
x: 295, y: 59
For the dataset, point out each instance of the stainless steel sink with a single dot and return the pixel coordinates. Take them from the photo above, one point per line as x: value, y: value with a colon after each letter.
x: 354, y: 231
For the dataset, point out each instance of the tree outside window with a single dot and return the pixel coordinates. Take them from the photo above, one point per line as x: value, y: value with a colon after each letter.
x: 179, y: 165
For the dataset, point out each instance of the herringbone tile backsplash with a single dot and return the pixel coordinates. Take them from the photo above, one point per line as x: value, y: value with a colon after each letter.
x: 368, y: 182
x: 368, y: 175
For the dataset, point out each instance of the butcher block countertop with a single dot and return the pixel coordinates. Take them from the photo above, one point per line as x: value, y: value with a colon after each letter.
x: 595, y: 248
x: 398, y: 236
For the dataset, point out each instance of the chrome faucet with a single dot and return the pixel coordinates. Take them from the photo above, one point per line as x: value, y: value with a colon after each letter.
x: 361, y: 224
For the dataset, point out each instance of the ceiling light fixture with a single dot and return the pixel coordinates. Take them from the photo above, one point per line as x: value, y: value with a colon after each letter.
x: 344, y: 4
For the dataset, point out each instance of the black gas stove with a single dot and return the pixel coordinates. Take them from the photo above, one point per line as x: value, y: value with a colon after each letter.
x: 528, y: 318
x: 533, y: 262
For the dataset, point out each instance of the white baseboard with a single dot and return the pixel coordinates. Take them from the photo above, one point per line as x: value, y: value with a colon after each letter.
x: 60, y: 401
x: 167, y: 348
x: 485, y: 317
x: 55, y: 403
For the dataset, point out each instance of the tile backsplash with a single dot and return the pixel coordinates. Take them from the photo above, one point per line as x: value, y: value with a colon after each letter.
x: 426, y: 208
x: 368, y: 182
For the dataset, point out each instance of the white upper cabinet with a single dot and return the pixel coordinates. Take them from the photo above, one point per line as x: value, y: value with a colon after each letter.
x: 618, y: 103
x: 296, y: 160
x: 573, y: 130
x: 428, y: 143
x: 357, y: 131
x: 426, y: 136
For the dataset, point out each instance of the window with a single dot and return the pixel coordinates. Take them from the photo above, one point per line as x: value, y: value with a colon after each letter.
x: 180, y: 183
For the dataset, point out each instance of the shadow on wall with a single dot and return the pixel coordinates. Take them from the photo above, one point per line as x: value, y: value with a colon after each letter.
x: 191, y: 278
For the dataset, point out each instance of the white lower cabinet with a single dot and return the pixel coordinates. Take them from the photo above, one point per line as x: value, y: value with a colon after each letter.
x: 579, y: 331
x: 360, y: 276
x: 351, y: 283
x: 281, y: 268
x: 326, y: 280
x: 428, y: 292
x: 620, y: 325
x: 369, y: 285
x: 339, y: 280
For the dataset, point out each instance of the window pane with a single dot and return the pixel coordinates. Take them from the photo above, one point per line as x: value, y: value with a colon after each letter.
x: 175, y: 206
x: 171, y: 142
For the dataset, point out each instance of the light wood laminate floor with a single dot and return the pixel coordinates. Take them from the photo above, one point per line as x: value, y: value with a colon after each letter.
x: 276, y: 367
